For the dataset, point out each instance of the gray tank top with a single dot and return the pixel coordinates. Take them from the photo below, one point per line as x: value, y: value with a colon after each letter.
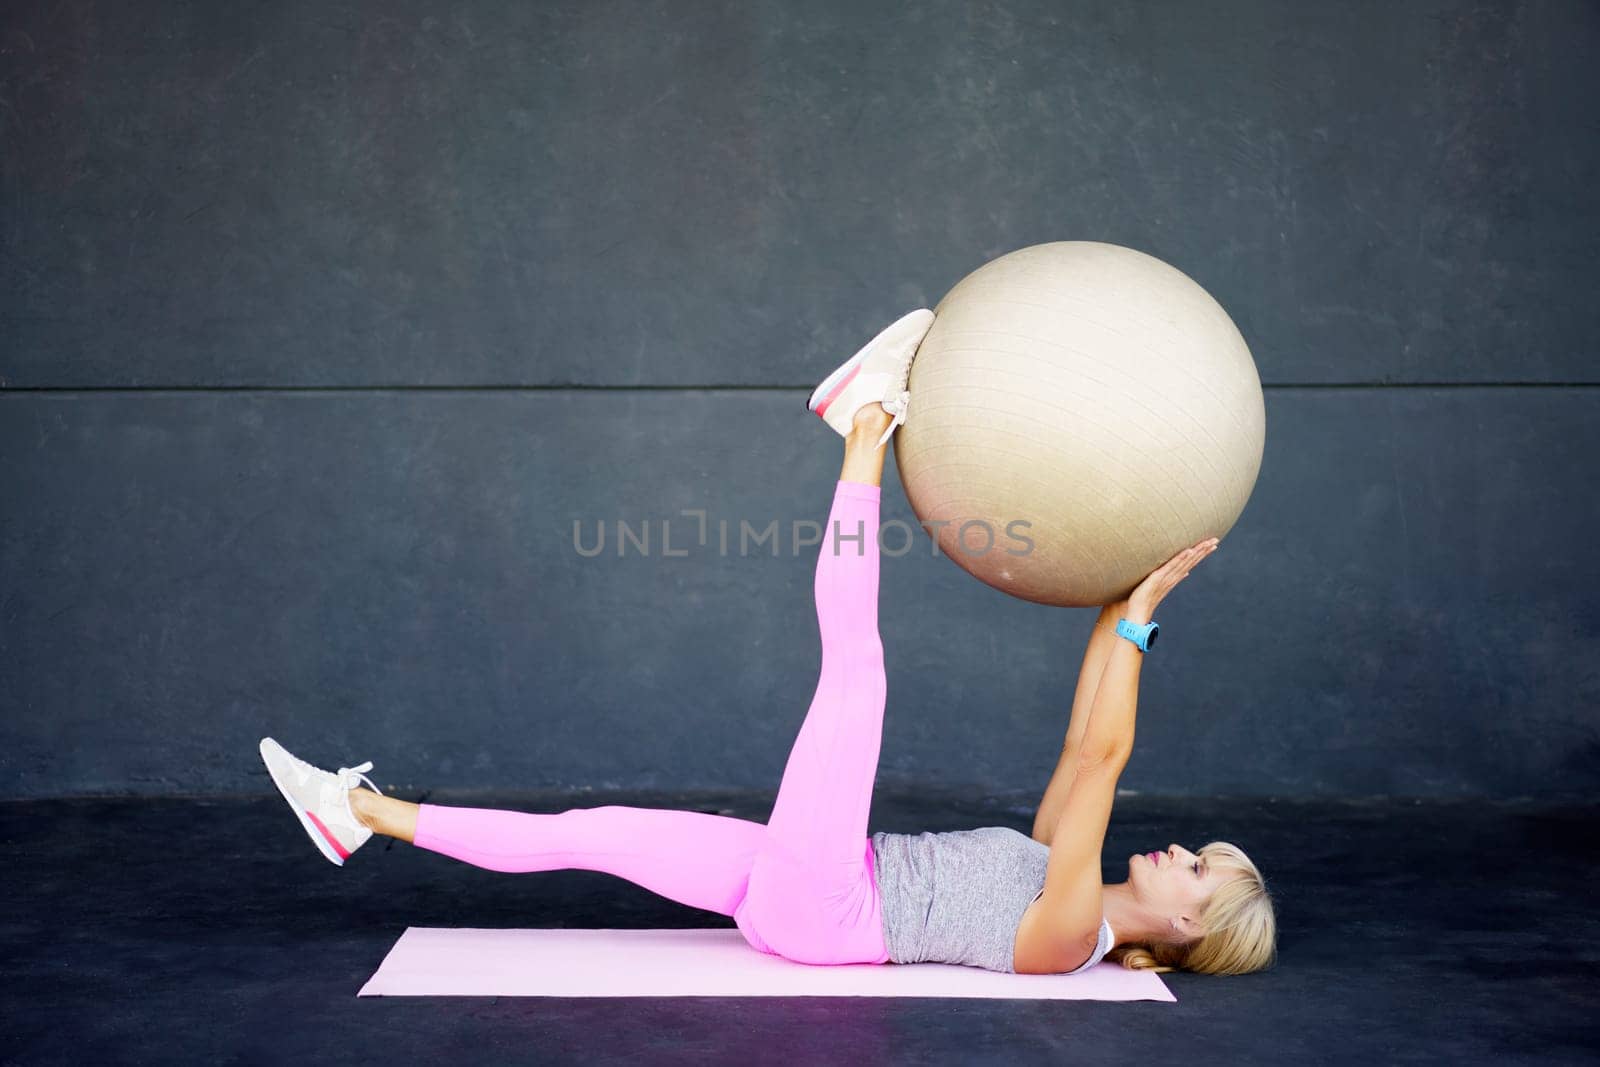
x: 958, y: 897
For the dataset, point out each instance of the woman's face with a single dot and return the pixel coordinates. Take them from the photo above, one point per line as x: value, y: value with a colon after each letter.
x: 1173, y: 882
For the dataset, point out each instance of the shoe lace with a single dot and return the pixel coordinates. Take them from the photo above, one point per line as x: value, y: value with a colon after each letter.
x: 349, y: 778
x: 897, y: 406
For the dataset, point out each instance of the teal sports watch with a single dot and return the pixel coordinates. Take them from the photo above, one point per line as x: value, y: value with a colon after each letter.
x: 1143, y: 636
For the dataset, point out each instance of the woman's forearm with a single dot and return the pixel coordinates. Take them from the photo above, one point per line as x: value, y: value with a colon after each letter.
x: 1111, y: 717
x: 1101, y: 641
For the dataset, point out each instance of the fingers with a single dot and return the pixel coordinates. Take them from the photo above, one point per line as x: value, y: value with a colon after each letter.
x: 1185, y: 561
x: 1199, y: 552
x: 1164, y: 578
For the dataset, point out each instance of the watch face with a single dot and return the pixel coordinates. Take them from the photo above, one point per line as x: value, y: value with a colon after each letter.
x: 1150, y: 642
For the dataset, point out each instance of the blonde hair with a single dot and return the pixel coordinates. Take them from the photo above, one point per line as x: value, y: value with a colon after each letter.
x: 1241, y: 925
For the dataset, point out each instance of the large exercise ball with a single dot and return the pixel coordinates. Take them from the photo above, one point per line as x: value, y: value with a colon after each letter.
x: 1079, y: 413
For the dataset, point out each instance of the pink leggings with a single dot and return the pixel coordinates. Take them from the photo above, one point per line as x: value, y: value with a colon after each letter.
x: 803, y: 886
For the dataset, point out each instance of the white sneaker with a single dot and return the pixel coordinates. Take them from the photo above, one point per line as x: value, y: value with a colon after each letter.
x: 876, y: 374
x: 320, y: 799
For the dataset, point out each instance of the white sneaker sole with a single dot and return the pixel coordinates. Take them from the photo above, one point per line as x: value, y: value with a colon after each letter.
x: 316, y: 835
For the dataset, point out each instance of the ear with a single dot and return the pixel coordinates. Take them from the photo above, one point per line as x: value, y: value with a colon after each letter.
x: 1185, y: 928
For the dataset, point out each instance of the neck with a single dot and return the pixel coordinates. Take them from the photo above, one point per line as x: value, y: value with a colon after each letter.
x: 1129, y: 920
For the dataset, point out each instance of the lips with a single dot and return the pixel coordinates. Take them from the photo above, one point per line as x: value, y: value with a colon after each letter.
x: 1152, y: 857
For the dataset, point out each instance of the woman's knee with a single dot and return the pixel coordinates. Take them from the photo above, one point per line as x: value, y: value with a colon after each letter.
x: 856, y: 643
x: 854, y: 668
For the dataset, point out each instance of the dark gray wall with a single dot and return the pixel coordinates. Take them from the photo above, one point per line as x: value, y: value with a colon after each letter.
x: 323, y: 324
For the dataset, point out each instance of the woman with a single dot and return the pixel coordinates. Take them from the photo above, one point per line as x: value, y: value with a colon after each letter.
x: 811, y: 885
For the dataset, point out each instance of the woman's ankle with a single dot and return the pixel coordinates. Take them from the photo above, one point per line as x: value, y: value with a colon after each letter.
x: 362, y: 808
x: 870, y: 421
x: 389, y: 816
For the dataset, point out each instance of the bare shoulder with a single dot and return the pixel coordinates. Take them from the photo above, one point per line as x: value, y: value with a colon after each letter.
x: 1059, y: 930
x: 1041, y: 949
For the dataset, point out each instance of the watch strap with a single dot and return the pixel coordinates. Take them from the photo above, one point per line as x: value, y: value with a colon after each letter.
x: 1139, y: 635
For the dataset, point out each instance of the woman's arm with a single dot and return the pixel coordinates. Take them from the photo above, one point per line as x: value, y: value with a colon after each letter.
x: 1063, y: 932
x: 1109, y: 736
x: 1101, y: 640
x: 1104, y: 707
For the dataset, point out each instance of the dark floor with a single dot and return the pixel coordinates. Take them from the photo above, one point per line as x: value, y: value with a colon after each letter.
x: 176, y: 930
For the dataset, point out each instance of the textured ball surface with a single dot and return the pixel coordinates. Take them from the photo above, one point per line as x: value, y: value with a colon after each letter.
x: 1080, y: 412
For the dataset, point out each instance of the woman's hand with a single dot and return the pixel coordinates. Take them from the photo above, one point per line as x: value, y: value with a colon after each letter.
x: 1150, y: 592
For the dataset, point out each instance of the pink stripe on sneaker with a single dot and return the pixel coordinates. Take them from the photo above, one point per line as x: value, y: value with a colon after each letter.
x: 822, y: 408
x: 343, y: 852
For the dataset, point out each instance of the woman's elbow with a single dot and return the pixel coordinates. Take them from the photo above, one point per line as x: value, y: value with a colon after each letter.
x: 1104, y: 758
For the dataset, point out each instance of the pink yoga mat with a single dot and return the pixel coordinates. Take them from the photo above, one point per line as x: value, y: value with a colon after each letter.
x: 467, y: 962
